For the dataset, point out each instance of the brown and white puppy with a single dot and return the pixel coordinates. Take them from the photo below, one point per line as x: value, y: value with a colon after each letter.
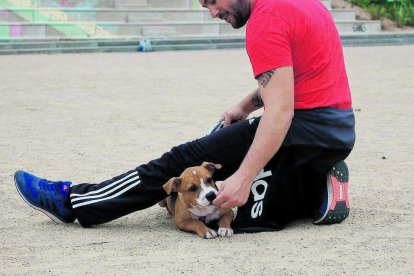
x: 194, y: 209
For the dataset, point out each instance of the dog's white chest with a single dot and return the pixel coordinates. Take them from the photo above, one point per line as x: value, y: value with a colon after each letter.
x: 206, y: 214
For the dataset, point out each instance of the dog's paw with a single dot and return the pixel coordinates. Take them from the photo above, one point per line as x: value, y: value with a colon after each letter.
x: 225, y: 232
x: 210, y: 234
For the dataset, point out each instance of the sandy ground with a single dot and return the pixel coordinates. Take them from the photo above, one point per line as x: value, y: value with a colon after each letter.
x: 88, y: 117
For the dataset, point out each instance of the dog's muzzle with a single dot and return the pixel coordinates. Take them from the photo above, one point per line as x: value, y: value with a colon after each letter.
x: 211, y: 196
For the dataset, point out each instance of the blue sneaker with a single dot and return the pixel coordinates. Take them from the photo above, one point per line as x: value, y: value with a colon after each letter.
x: 45, y: 196
x: 335, y: 203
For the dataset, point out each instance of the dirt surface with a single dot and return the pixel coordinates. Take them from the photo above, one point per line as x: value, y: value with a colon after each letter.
x: 88, y: 117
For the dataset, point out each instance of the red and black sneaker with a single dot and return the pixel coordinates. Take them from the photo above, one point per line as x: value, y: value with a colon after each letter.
x: 335, y: 204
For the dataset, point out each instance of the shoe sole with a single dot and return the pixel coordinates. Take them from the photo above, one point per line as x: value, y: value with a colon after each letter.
x: 338, y: 202
x: 52, y: 217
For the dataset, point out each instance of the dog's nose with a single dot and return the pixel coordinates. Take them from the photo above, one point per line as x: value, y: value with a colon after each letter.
x: 211, y: 196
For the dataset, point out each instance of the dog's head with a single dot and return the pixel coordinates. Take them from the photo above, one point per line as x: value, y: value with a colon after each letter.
x: 195, y: 185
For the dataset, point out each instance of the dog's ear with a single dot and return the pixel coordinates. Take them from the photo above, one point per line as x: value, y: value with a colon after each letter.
x: 211, y: 167
x: 172, y: 185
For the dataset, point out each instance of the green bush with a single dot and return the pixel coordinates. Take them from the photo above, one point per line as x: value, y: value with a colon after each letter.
x: 401, y: 11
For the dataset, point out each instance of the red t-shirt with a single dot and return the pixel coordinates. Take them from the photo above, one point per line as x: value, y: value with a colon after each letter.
x: 302, y: 34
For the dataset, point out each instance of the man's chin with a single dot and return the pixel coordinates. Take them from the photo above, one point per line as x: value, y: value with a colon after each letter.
x: 237, y: 25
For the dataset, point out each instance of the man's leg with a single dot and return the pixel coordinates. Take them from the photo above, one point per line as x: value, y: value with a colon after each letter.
x: 143, y: 187
x: 291, y: 187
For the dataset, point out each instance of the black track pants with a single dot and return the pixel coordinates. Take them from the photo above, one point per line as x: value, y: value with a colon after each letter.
x: 289, y: 187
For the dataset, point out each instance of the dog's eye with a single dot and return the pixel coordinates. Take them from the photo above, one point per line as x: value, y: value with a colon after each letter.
x: 209, y: 179
x: 193, y: 188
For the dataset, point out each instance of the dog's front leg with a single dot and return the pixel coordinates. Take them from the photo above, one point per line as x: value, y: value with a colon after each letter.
x: 196, y: 226
x: 224, y: 224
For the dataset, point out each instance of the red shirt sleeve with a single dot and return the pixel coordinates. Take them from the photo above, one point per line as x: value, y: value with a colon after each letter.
x: 268, y: 43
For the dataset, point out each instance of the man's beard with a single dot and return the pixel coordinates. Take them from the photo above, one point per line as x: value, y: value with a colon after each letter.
x: 242, y: 13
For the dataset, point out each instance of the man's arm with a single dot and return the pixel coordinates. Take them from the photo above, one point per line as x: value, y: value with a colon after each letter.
x: 276, y: 89
x: 250, y: 103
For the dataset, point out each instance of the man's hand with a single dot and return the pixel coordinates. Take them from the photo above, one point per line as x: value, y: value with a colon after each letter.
x: 233, y: 192
x: 234, y: 113
x: 243, y: 108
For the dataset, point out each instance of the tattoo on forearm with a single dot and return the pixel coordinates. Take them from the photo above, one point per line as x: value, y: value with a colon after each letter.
x: 257, y: 99
x: 264, y: 78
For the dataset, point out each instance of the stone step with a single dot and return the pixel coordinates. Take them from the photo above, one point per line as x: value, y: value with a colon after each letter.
x: 85, y: 49
x: 360, y: 26
x: 26, y: 46
x: 57, y: 3
x: 149, y: 29
x: 117, y: 15
x: 148, y: 4
x: 327, y: 3
x: 92, y: 30
x: 59, y: 44
x: 122, y: 4
x: 131, y: 18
